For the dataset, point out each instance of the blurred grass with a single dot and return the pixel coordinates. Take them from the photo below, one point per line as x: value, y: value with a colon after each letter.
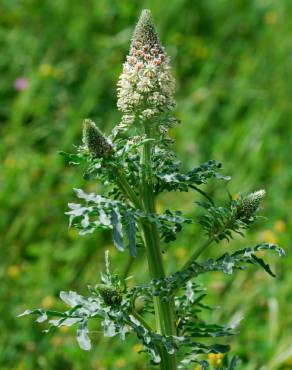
x: 232, y: 61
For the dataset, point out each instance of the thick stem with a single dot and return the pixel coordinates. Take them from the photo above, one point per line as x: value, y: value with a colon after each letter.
x: 164, y: 310
x: 126, y: 188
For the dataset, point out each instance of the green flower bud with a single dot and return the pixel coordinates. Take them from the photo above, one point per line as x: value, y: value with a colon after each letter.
x: 111, y: 296
x: 251, y: 202
x: 145, y: 34
x: 94, y: 140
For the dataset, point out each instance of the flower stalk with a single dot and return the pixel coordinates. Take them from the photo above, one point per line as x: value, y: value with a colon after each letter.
x: 164, y: 310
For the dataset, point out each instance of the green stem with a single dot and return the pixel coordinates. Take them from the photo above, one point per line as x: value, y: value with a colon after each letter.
x: 193, y: 258
x: 197, y: 253
x: 127, y: 190
x: 142, y: 321
x: 164, y: 310
x: 128, y: 267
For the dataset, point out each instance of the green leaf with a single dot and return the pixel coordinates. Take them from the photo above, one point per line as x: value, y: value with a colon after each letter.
x: 74, y: 158
x: 264, y: 265
x: 233, y: 363
x: 221, y: 222
x: 117, y: 229
x: 226, y: 263
x: 131, y: 235
x: 170, y: 178
x: 202, y: 330
x: 82, y: 336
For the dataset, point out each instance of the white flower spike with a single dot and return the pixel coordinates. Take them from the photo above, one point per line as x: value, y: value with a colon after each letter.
x: 146, y: 86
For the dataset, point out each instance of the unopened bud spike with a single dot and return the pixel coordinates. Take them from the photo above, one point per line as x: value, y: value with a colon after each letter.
x: 95, y: 141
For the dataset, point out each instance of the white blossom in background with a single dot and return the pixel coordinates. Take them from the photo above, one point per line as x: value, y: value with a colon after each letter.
x: 146, y: 85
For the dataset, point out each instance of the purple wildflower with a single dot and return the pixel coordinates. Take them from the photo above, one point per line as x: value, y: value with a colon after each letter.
x: 21, y: 83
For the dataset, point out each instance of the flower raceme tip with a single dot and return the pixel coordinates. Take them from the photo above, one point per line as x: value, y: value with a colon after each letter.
x: 146, y: 86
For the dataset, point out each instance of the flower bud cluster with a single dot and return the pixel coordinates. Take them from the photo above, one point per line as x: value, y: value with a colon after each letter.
x: 111, y: 296
x: 146, y: 86
x: 94, y: 140
x: 251, y: 202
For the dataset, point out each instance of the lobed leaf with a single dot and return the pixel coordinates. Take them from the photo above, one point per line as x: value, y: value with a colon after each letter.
x: 117, y: 229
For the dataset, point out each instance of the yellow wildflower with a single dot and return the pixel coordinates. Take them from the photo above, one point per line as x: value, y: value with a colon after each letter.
x: 120, y: 363
x: 271, y: 17
x: 13, y: 271
x: 137, y: 347
x: 269, y: 236
x: 280, y: 226
x: 57, y: 341
x: 219, y: 362
x: 64, y: 329
x: 48, y: 301
x: 180, y: 252
x: 212, y: 359
x: 159, y: 207
x: 46, y: 70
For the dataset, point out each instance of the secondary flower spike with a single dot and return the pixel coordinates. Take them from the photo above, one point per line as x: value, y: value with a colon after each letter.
x: 94, y: 140
x: 252, y: 202
x: 146, y: 85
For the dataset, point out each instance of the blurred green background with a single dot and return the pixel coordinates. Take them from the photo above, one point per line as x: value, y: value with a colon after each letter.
x: 59, y: 62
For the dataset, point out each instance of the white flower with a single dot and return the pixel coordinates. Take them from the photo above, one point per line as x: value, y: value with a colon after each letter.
x: 148, y: 113
x: 128, y: 119
x: 146, y: 86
